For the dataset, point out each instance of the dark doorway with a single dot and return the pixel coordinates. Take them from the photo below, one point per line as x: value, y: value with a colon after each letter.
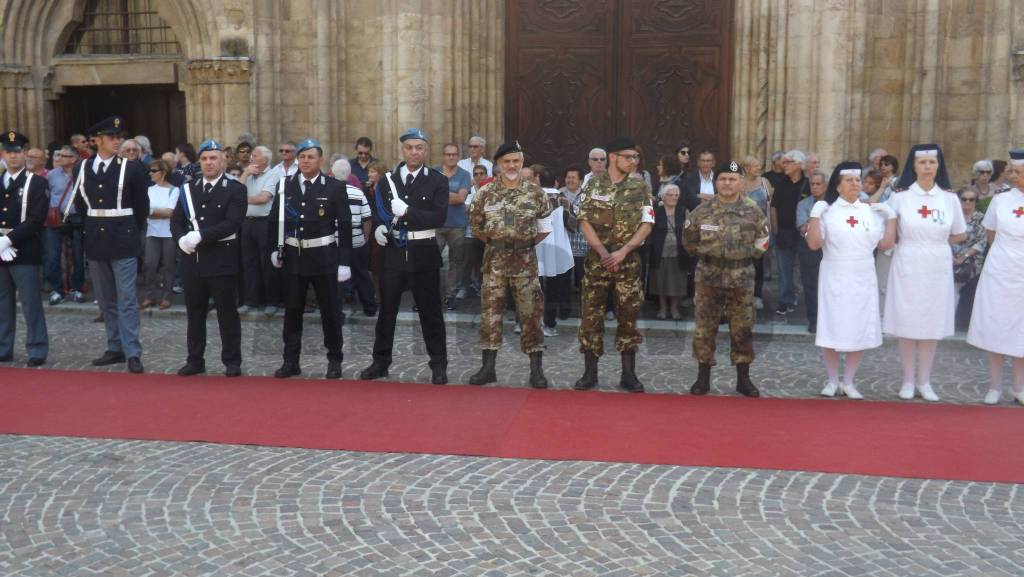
x: 155, y: 110
x: 580, y: 72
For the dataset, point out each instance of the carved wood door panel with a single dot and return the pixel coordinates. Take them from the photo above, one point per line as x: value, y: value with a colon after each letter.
x: 580, y: 72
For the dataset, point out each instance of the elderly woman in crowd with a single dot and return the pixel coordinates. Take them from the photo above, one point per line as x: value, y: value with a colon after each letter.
x: 920, y: 299
x: 759, y: 191
x: 997, y: 324
x: 160, y: 246
x: 968, y: 256
x: 130, y: 150
x: 981, y: 177
x: 847, y: 231
x: 669, y: 262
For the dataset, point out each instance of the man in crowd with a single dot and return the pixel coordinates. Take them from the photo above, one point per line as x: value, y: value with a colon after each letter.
x: 616, y: 218
x: 788, y: 193
x: 775, y: 173
x: 510, y: 216
x: 453, y: 233
x: 23, y: 205
x: 262, y: 281
x: 597, y: 159
x: 35, y: 162
x: 569, y: 198
x: 699, y: 185
x: 810, y: 260
x: 287, y: 166
x: 147, y: 148
x: 364, y: 158
x: 81, y: 145
x: 726, y: 234
x: 243, y: 154
x: 477, y: 147
x: 205, y: 223
x: 314, y: 240
x: 60, y: 181
x: 413, y: 203
x: 114, y: 195
x: 362, y: 222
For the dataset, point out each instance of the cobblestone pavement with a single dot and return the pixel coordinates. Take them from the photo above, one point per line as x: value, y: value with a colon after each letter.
x: 81, y: 507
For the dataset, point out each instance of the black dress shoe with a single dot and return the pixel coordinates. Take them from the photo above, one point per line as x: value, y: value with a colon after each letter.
x: 333, y: 370
x: 374, y: 371
x: 439, y: 376
x: 189, y: 369
x: 36, y: 361
x: 135, y: 365
x: 288, y: 370
x: 232, y: 371
x: 109, y: 358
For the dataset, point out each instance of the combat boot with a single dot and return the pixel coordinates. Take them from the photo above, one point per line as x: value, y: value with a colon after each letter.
x: 589, y: 379
x: 486, y: 373
x: 537, y: 378
x: 744, y: 385
x: 628, y: 381
x: 703, y: 383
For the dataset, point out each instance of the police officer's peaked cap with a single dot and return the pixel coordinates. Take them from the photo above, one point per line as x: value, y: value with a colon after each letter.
x: 619, y: 144
x: 307, y: 144
x: 111, y: 125
x: 730, y: 166
x: 1017, y: 156
x: 210, y: 145
x: 507, y: 148
x: 14, y: 141
x: 413, y: 133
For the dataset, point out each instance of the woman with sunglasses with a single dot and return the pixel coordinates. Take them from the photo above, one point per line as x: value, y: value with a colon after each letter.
x: 968, y: 256
x: 159, y: 243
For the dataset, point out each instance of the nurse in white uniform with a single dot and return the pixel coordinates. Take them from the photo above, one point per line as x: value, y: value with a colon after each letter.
x: 920, y: 299
x: 997, y: 321
x: 848, y: 231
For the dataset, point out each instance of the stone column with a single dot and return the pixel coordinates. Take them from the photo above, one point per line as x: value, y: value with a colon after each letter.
x: 22, y: 103
x: 217, y: 93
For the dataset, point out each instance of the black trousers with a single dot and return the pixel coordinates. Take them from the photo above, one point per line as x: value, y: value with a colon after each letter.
x: 326, y: 289
x: 810, y: 263
x: 260, y: 277
x: 965, y: 306
x: 426, y: 293
x: 223, y: 290
x: 556, y: 296
x: 360, y: 283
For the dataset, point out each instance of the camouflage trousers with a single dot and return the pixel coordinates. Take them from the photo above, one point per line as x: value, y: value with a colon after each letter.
x: 737, y: 304
x: 529, y: 301
x: 597, y: 281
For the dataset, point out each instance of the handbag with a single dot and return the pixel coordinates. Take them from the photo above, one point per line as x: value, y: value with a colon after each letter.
x: 54, y: 216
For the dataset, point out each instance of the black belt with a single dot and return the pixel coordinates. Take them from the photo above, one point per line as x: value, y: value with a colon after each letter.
x: 257, y: 217
x: 726, y: 262
x: 511, y: 244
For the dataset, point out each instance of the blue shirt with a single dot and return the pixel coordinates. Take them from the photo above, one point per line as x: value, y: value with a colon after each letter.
x: 457, y: 217
x: 58, y: 181
x: 803, y: 210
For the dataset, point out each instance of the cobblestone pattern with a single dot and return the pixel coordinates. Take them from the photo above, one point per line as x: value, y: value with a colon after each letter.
x: 786, y: 366
x: 81, y: 507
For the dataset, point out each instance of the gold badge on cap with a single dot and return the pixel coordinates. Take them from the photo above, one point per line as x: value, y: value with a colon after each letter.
x: 11, y: 136
x: 117, y: 123
x: 322, y: 211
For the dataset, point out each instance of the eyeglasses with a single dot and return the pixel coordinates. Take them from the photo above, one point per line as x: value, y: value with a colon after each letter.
x: 451, y: 154
x: 476, y: 146
x: 154, y: 170
x: 984, y: 172
x: 968, y: 199
x: 286, y: 150
x: 594, y: 159
x: 631, y: 157
x: 67, y: 155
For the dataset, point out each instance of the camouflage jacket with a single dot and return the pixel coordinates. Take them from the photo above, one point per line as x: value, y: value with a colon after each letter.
x: 726, y: 238
x: 615, y: 211
x: 505, y: 219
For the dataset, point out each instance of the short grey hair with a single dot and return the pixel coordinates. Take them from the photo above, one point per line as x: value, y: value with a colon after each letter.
x: 818, y: 172
x: 263, y: 151
x: 68, y: 149
x: 144, y: 144
x: 796, y: 156
x: 877, y: 153
x: 127, y: 142
x: 341, y: 169
x: 593, y: 150
x: 477, y: 140
x: 777, y: 155
x: 980, y: 166
x: 666, y: 188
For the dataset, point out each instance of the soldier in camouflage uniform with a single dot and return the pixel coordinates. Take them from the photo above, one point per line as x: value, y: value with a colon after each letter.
x: 510, y: 216
x: 615, y: 217
x: 726, y: 235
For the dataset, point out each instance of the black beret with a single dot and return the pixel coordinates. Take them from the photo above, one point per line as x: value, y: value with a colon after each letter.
x: 507, y: 148
x: 111, y: 125
x: 619, y: 144
x: 729, y: 167
x: 14, y: 141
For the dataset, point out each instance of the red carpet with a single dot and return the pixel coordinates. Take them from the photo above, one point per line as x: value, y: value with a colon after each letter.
x: 870, y: 438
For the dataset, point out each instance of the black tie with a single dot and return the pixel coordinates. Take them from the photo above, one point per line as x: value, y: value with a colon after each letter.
x: 102, y: 170
x: 207, y: 188
x: 306, y: 184
x: 408, y: 180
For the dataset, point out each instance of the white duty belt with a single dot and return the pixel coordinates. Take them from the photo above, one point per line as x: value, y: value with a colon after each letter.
x: 109, y: 212
x: 416, y: 234
x: 101, y: 212
x: 310, y: 242
x: 5, y: 231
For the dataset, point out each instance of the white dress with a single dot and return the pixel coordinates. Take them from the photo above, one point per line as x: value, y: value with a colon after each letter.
x: 554, y: 253
x: 920, y: 299
x: 997, y: 321
x: 848, y: 318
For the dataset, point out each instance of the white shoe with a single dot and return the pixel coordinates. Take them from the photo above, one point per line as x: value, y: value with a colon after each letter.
x: 992, y: 397
x: 517, y: 329
x: 852, y: 392
x: 1019, y: 397
x: 830, y: 389
x: 758, y: 303
x: 550, y: 332
x: 927, y: 393
x: 907, y: 391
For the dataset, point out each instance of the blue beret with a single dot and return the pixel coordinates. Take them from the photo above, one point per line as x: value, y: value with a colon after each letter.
x: 14, y: 141
x: 210, y: 145
x: 307, y: 144
x: 413, y: 133
x: 111, y: 125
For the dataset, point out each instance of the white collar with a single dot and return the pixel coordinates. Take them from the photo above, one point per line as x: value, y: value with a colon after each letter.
x: 710, y: 177
x: 842, y: 202
x: 105, y: 163
x: 405, y: 172
x: 212, y: 182
x: 917, y: 188
x: 13, y: 177
x: 302, y: 178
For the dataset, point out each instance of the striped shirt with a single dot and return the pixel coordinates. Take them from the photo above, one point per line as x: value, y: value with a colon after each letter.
x: 360, y: 214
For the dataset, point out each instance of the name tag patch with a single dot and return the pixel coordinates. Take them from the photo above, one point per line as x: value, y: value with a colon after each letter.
x: 601, y: 197
x: 711, y: 227
x: 494, y: 207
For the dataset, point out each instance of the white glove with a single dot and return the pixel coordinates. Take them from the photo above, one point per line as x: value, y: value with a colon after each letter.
x: 275, y: 259
x: 380, y: 234
x: 5, y: 243
x: 193, y: 237
x: 398, y: 207
x: 819, y: 209
x: 8, y: 254
x: 884, y: 209
x: 184, y: 245
x: 344, y: 273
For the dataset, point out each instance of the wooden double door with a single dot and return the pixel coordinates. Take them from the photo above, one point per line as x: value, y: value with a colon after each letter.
x: 580, y: 72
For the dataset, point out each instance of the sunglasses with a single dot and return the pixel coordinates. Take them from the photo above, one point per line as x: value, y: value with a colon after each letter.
x: 984, y: 172
x: 598, y: 159
x: 968, y: 199
x: 154, y: 170
x: 286, y: 150
x: 685, y: 151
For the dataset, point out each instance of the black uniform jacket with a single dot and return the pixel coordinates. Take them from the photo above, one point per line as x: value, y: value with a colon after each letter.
x: 110, y: 238
x: 427, y: 198
x: 219, y: 215
x: 26, y: 237
x: 322, y: 211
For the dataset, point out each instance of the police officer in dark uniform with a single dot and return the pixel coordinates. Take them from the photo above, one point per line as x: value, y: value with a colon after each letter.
x: 113, y: 193
x: 313, y: 237
x: 412, y: 201
x: 23, y: 204
x: 205, y: 223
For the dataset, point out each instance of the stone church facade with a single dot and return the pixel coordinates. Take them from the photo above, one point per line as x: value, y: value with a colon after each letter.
x: 837, y: 77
